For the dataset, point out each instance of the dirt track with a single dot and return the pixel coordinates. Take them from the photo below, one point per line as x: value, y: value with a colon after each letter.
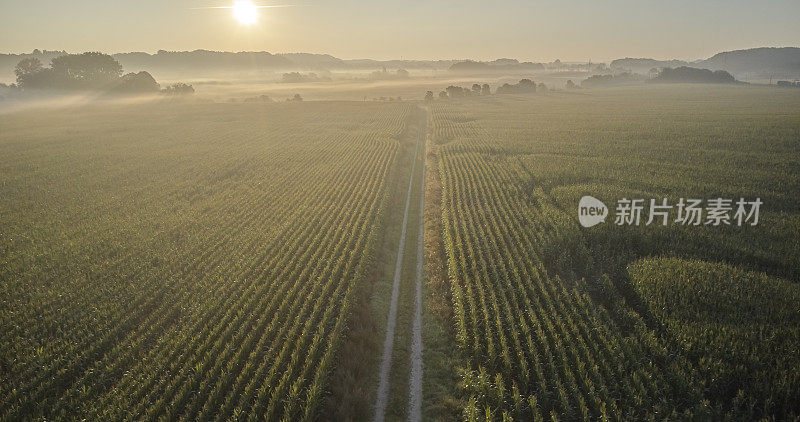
x: 415, y: 377
x: 382, y: 397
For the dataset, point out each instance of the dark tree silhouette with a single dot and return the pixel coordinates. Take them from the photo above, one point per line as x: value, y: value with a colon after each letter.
x: 454, y: 91
x: 141, y: 82
x: 524, y: 86
x: 486, y: 90
x: 179, y: 89
x: 71, y: 71
x: 26, y: 67
x: 87, y: 69
x: 694, y: 75
x: 429, y: 96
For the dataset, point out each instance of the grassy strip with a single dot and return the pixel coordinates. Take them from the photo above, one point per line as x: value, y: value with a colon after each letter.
x: 440, y: 359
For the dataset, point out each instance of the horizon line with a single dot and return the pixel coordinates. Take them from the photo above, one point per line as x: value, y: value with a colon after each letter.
x: 568, y: 61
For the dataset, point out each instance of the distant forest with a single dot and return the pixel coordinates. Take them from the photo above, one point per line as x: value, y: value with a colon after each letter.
x: 694, y: 75
x: 766, y: 62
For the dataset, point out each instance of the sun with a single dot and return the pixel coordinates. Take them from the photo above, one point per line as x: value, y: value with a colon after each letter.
x: 245, y: 12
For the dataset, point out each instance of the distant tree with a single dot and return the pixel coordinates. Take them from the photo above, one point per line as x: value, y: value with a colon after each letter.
x: 259, y: 99
x: 87, y: 69
x: 476, y: 88
x: 524, y: 86
x: 179, y: 89
x: 429, y: 96
x: 570, y: 84
x: 136, y: 83
x: 297, y: 98
x: 294, y: 77
x: 694, y: 75
x: 454, y: 91
x: 27, y: 67
x: 506, y: 88
x: 610, y: 79
x: 31, y: 75
x: 443, y: 95
x: 541, y: 87
x: 486, y: 90
x: 469, y: 66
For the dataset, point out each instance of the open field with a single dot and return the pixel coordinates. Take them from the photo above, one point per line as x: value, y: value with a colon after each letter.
x: 254, y: 210
x: 547, y: 319
x: 209, y: 261
x: 186, y: 261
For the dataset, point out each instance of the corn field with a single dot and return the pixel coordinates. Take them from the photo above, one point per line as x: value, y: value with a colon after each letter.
x: 547, y: 318
x: 149, y: 274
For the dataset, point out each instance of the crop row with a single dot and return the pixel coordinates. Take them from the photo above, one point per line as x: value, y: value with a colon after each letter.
x: 231, y: 294
x: 537, y: 345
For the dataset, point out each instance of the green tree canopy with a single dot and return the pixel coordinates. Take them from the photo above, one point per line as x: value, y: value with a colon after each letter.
x: 87, y: 69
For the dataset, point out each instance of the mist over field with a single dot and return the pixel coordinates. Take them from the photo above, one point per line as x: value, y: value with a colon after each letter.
x: 219, y: 76
x: 251, y: 210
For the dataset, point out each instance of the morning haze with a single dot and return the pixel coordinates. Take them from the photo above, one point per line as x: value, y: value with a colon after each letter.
x: 571, y: 30
x: 307, y: 210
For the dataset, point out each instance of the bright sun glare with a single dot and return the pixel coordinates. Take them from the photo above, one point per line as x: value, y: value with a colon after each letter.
x: 245, y: 12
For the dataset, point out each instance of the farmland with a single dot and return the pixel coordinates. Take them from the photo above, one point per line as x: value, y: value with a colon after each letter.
x: 556, y: 321
x: 194, y: 261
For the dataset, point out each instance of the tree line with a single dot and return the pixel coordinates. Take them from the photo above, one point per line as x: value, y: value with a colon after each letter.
x: 89, y: 71
x: 524, y: 86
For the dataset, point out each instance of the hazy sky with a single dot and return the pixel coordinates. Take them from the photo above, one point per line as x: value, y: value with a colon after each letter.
x: 539, y: 30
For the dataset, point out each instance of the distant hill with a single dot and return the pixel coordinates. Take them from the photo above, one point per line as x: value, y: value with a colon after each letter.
x: 203, y: 59
x: 764, y: 62
x: 313, y: 60
x: 757, y: 62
